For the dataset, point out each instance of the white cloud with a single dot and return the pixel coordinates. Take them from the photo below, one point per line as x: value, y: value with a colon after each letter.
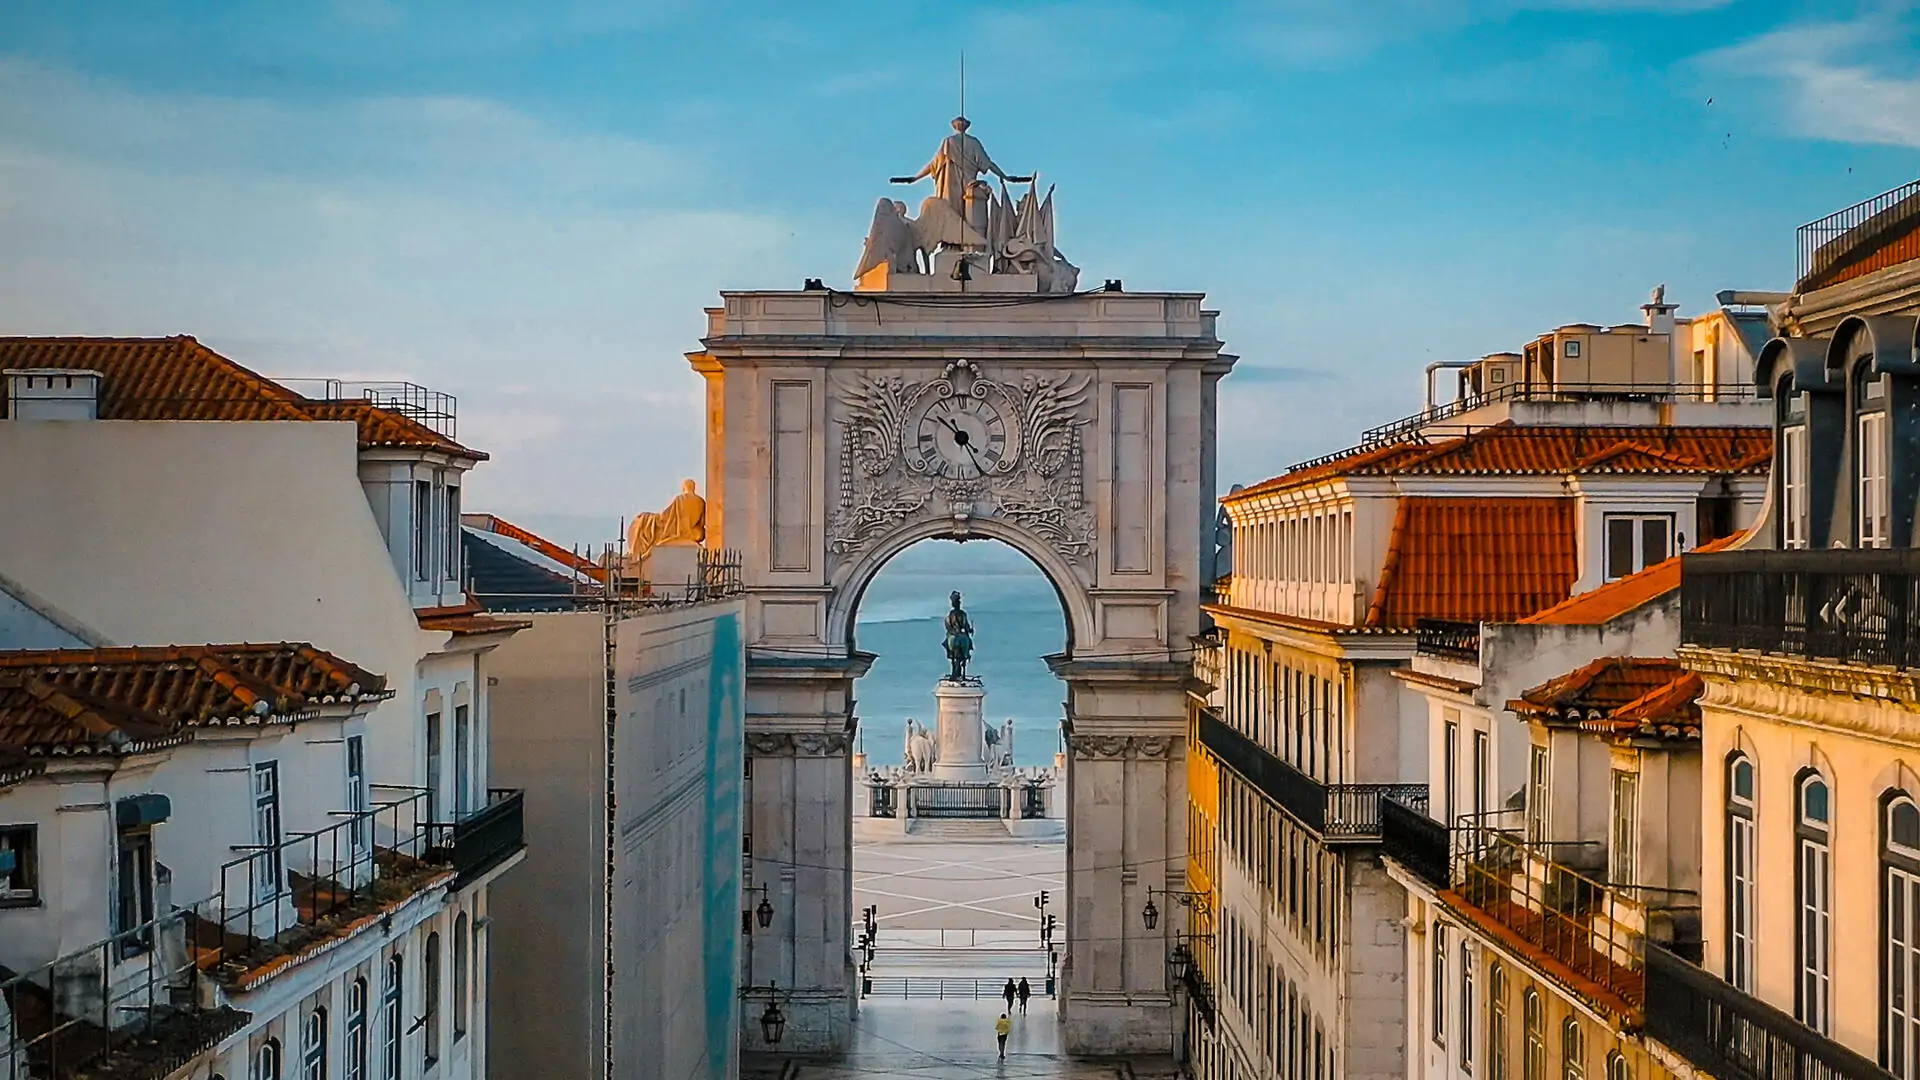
x: 551, y: 278
x: 1827, y: 89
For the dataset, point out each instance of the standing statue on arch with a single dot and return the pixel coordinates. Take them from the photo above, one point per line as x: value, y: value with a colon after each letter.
x: 959, y: 642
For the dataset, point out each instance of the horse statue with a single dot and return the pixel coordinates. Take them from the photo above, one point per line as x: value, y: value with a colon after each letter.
x: 959, y: 642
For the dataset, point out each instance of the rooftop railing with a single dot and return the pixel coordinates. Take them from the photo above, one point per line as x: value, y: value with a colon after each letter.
x: 1816, y: 240
x: 1337, y: 813
x: 1448, y: 640
x: 1851, y: 606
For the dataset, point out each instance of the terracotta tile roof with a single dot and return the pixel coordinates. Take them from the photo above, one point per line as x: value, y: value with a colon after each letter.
x: 1508, y: 449
x: 1475, y: 559
x: 467, y: 620
x: 177, y: 378
x: 1619, y: 695
x: 1616, y: 598
x: 124, y: 699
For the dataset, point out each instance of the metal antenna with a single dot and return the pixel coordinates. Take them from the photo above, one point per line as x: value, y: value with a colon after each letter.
x: 963, y: 83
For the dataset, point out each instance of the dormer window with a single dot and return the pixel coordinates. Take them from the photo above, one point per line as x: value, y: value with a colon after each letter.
x: 1636, y: 541
x: 1871, y: 459
x: 452, y: 562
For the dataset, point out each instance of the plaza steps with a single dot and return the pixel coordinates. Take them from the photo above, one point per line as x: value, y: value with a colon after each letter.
x: 959, y: 830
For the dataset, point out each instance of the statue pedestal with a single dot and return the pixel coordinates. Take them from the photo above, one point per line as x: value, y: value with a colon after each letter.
x: 673, y: 566
x: 960, y: 732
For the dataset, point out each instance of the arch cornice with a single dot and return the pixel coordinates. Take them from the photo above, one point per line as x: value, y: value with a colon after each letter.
x: 1884, y: 341
x: 852, y: 577
x: 1786, y: 365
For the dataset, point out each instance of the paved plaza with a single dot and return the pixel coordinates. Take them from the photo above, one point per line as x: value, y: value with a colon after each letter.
x: 956, y: 920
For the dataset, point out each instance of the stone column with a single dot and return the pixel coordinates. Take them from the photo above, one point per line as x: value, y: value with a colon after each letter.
x: 962, y: 732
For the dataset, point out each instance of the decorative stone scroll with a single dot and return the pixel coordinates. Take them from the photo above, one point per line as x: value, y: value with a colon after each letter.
x: 781, y: 744
x: 963, y: 446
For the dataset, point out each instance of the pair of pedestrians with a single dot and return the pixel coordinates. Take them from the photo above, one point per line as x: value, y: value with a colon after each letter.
x: 1004, y: 1026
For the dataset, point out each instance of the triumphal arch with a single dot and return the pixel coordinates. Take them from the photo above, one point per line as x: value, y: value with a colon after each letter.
x: 966, y: 387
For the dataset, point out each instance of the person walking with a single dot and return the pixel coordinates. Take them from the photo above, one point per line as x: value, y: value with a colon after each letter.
x: 1000, y: 1029
x: 1025, y: 993
x: 1010, y: 993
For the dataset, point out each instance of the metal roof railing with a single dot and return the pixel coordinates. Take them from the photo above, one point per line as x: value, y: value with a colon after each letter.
x: 1816, y: 239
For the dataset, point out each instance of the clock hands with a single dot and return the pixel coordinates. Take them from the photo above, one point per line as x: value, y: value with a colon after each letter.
x: 966, y: 441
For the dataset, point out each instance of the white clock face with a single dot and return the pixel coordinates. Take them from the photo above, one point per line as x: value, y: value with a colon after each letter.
x: 962, y: 438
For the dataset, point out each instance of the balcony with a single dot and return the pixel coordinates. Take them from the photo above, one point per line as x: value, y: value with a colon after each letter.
x: 1733, y: 1036
x: 1864, y: 237
x: 1849, y: 606
x: 1337, y: 813
x: 489, y: 836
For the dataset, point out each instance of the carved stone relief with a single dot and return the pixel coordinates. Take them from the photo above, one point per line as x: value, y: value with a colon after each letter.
x: 780, y: 744
x: 1121, y: 746
x: 963, y: 446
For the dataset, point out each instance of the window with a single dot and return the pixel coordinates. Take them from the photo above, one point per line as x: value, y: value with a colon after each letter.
x: 430, y: 1052
x: 1875, y: 530
x: 359, y: 800
x: 1465, y: 1042
x: 433, y: 767
x: 1813, y: 1003
x: 1794, y: 511
x: 462, y: 771
x: 1481, y: 775
x: 266, y: 829
x: 1741, y: 890
x: 133, y: 893
x: 1637, y: 541
x: 1450, y: 761
x: 266, y: 1061
x: 1622, y: 862
x: 1537, y: 796
x: 1573, y: 1050
x: 1497, y: 1022
x: 423, y: 530
x: 1437, y: 979
x: 1533, y: 1063
x: 462, y: 959
x: 452, y: 555
x: 1617, y: 1067
x: 393, y: 1030
x: 313, y: 1046
x: 357, y: 1043
x: 19, y: 865
x: 1572, y: 350
x: 1900, y: 858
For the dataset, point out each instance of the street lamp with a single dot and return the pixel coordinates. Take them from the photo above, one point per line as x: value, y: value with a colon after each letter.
x: 773, y: 1022
x: 1178, y: 962
x: 762, y: 913
x: 1150, y: 914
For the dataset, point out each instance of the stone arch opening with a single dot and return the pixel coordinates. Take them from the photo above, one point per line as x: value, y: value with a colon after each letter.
x: 1075, y: 606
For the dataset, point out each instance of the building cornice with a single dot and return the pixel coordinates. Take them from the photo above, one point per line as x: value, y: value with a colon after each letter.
x: 1878, y: 703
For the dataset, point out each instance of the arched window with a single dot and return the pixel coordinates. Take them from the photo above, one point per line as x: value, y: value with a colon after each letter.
x: 1742, y: 892
x: 357, y: 1042
x: 393, y: 1018
x: 462, y: 972
x: 1573, y: 1050
x: 266, y: 1061
x: 1496, y: 1022
x: 1813, y: 1002
x: 1533, y: 1022
x: 1900, y: 978
x: 430, y: 990
x: 1437, y: 981
x: 1617, y: 1067
x: 313, y: 1046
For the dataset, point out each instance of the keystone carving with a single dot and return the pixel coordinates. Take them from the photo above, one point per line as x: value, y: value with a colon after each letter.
x: 1121, y: 746
x: 781, y: 744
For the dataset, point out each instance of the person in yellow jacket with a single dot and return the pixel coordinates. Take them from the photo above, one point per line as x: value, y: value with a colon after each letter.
x: 1000, y: 1028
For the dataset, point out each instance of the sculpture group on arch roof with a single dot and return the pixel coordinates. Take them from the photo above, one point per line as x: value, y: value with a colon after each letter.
x: 966, y: 227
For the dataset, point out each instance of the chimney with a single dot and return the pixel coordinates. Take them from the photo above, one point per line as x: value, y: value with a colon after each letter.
x: 1659, y: 312
x: 53, y: 394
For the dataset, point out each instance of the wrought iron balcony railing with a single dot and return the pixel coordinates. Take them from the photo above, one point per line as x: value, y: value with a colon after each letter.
x: 1733, y: 1036
x: 1416, y: 841
x: 1337, y: 813
x: 1853, y: 606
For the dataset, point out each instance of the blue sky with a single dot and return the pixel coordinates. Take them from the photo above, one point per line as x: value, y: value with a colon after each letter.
x: 528, y: 205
